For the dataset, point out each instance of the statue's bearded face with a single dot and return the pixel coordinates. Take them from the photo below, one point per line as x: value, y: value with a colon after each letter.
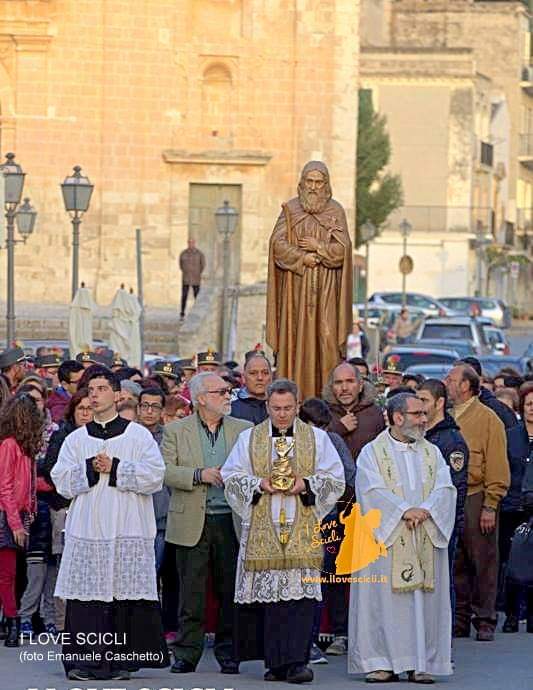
x: 313, y: 192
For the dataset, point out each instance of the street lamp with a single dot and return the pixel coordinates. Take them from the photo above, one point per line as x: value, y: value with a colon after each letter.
x: 367, y: 233
x: 13, y: 186
x: 405, y: 229
x: 77, y: 191
x: 226, y: 218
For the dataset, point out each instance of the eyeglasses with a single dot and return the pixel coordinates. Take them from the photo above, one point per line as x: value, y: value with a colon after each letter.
x: 220, y: 391
x: 420, y: 413
x: 157, y: 407
x: 84, y: 409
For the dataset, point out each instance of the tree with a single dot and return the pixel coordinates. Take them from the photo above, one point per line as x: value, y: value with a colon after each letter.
x: 378, y: 193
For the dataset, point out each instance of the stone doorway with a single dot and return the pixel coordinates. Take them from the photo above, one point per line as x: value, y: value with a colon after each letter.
x: 204, y: 199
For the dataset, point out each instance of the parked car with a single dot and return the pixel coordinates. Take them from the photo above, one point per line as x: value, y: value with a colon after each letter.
x: 387, y: 336
x: 429, y: 305
x: 495, y: 309
x: 459, y: 327
x: 492, y: 364
x: 497, y: 340
x: 406, y: 356
x: 464, y: 348
x: 30, y: 346
x: 430, y: 371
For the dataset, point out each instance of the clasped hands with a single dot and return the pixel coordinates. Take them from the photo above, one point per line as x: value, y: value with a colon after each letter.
x: 298, y: 487
x: 415, y: 516
x: 311, y: 245
x: 102, y: 463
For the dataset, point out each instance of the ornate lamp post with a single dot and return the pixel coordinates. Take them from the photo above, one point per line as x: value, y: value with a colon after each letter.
x: 13, y: 186
x: 405, y: 229
x: 77, y: 191
x: 226, y: 218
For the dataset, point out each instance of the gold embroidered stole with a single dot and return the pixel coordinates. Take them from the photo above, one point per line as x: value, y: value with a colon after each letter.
x: 264, y: 551
x: 412, y: 565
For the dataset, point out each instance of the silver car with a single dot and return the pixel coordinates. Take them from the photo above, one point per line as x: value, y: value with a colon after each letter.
x: 425, y: 303
x: 460, y: 327
x: 489, y: 307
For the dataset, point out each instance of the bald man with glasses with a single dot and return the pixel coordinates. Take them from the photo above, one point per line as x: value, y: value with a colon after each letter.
x: 199, y: 519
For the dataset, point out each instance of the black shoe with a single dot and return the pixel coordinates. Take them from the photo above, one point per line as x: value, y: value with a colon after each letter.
x: 299, y: 674
x: 275, y: 674
x: 13, y: 631
x: 182, y: 666
x: 120, y: 675
x: 229, y: 667
x: 510, y: 625
x: 78, y: 674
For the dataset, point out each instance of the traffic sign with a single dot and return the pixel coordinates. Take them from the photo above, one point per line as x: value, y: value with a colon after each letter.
x: 406, y: 265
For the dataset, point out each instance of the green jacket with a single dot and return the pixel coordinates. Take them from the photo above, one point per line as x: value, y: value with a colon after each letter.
x: 182, y: 452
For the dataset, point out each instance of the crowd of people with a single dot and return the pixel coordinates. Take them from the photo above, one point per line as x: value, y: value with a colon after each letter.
x: 164, y: 505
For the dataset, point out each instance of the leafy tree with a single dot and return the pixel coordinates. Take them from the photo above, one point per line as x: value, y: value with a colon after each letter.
x: 377, y: 193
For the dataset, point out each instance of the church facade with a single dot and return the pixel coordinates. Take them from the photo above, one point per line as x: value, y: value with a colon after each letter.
x: 171, y: 108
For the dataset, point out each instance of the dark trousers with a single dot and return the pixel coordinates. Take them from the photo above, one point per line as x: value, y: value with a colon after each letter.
x: 452, y: 548
x: 185, y: 293
x: 219, y: 547
x: 476, y: 570
x: 169, y: 589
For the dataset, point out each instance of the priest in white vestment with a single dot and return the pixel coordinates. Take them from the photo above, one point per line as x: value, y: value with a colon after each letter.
x: 109, y: 468
x: 278, y: 568
x: 404, y: 624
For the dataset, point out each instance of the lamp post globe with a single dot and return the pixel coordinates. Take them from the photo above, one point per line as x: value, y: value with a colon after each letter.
x: 13, y: 180
x: 77, y: 190
x: 226, y: 218
x: 26, y: 217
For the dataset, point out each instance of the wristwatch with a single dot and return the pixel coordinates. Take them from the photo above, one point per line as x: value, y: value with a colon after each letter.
x: 489, y: 509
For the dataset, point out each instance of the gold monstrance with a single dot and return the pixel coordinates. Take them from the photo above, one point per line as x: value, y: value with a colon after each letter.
x: 282, y: 479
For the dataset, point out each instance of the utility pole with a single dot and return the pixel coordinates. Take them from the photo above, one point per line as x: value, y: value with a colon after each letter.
x: 140, y: 295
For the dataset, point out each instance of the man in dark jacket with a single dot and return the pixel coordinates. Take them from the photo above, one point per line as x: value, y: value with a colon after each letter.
x: 442, y: 430
x: 250, y: 403
x: 504, y: 412
x: 355, y: 416
x: 192, y: 265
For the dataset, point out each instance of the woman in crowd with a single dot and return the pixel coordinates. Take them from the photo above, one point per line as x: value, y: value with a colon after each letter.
x: 519, y: 452
x: 21, y: 428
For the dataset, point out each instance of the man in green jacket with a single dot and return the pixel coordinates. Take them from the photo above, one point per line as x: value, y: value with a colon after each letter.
x: 200, y: 521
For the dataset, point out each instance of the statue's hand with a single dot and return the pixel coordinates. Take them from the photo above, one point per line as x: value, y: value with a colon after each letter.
x: 310, y: 244
x: 311, y: 260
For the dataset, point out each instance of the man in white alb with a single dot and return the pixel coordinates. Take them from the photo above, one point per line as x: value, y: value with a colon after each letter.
x: 404, y: 624
x: 110, y: 468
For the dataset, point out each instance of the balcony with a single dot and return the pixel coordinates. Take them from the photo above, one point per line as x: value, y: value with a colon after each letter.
x: 444, y: 219
x: 525, y: 150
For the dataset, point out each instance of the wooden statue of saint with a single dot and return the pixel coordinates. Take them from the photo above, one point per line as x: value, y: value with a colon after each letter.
x: 309, y: 296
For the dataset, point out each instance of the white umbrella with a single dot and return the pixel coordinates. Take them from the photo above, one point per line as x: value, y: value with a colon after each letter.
x: 80, y: 322
x: 120, y: 325
x: 135, y: 331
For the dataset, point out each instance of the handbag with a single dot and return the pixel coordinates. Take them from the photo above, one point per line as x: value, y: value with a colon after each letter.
x: 520, y: 564
x: 526, y: 497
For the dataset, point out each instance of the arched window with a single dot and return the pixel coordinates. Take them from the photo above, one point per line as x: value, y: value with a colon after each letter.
x: 217, y: 101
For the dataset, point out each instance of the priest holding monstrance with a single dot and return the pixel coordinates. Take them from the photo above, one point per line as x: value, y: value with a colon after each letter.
x: 282, y: 477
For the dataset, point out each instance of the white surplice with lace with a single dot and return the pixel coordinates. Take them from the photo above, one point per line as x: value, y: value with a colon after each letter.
x: 109, y: 532
x: 402, y: 631
x: 327, y: 485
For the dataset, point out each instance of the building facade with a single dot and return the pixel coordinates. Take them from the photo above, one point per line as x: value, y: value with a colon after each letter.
x: 171, y: 108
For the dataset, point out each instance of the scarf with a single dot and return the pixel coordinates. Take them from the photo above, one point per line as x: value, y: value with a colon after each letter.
x: 412, y: 550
